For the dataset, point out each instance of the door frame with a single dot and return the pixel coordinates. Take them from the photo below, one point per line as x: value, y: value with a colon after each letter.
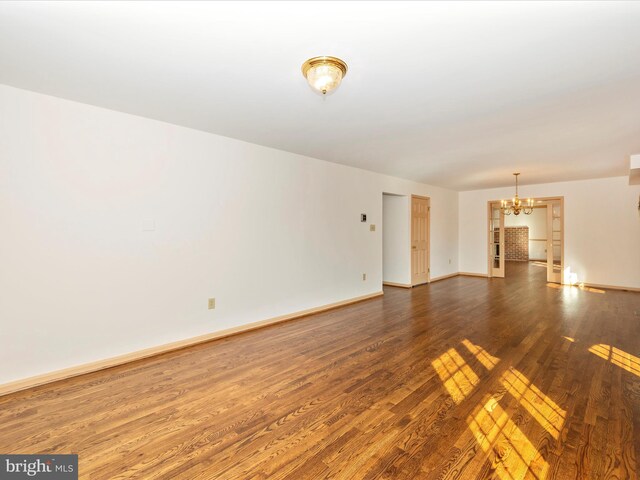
x: 545, y: 200
x: 428, y: 199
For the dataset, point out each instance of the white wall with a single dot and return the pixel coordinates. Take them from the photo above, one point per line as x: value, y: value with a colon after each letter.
x: 602, y: 228
x: 537, y: 224
x: 265, y: 232
x: 396, y: 239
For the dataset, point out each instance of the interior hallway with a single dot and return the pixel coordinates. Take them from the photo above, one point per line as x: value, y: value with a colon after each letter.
x: 465, y: 378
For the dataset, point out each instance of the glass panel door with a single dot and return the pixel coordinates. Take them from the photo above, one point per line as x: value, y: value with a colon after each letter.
x: 496, y: 240
x: 555, y: 239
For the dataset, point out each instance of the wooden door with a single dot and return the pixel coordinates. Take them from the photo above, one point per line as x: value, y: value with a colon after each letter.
x: 419, y: 240
x: 496, y: 240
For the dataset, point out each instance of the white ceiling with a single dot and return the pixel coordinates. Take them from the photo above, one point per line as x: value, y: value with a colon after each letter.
x: 454, y: 94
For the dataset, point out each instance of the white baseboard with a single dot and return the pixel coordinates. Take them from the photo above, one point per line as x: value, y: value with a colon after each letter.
x: 443, y: 277
x: 471, y: 274
x: 395, y: 284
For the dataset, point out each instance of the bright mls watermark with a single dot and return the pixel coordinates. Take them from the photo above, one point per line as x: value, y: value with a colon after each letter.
x: 50, y: 467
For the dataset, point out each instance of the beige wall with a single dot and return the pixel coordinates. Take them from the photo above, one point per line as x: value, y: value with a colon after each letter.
x: 116, y: 229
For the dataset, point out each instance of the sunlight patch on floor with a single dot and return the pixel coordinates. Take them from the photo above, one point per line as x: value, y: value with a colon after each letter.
x: 582, y: 286
x: 487, y: 360
x: 456, y: 375
x: 618, y: 357
x: 515, y: 456
x: 574, y: 287
x: 546, y: 412
x: 512, y: 454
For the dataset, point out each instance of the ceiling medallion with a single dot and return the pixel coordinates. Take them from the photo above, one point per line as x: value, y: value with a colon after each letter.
x: 324, y: 74
x: 516, y: 206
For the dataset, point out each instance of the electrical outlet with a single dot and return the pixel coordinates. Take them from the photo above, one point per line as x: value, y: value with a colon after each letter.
x: 449, y: 261
x: 212, y: 303
x: 364, y: 277
x: 372, y: 228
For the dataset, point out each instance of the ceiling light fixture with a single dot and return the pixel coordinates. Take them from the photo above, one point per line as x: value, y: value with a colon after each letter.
x: 324, y: 74
x: 516, y: 206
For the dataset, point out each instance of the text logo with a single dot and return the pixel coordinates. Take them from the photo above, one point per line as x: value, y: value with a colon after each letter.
x: 49, y: 467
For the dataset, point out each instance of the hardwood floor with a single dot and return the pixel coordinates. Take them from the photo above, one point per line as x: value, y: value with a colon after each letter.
x: 465, y: 378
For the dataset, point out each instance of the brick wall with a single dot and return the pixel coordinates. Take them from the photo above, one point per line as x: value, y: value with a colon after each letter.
x: 516, y: 243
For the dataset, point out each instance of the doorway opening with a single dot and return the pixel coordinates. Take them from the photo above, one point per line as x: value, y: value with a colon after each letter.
x: 537, y: 238
x: 405, y: 240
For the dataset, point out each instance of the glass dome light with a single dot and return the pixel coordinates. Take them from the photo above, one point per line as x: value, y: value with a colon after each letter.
x: 324, y: 74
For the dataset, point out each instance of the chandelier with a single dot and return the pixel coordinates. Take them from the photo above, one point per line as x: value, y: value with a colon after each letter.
x: 324, y: 74
x: 516, y: 205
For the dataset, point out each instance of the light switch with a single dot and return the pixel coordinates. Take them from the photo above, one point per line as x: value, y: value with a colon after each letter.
x: 148, y: 225
x: 372, y: 228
